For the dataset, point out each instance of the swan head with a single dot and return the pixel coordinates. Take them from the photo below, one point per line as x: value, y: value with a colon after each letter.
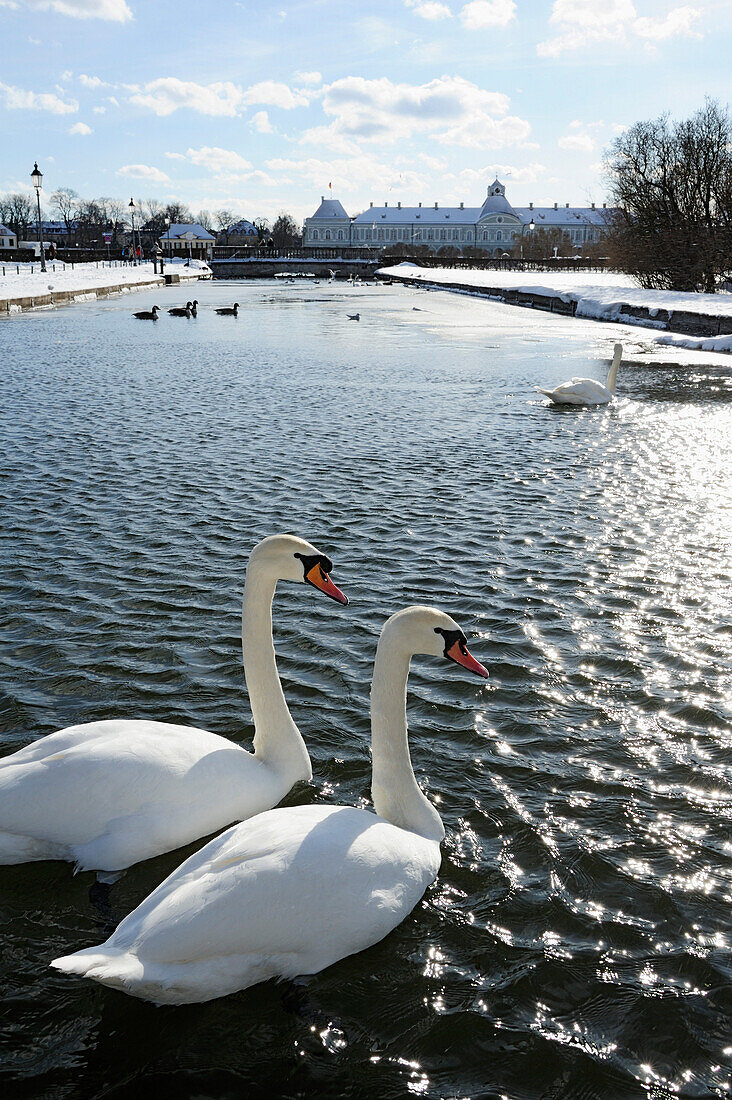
x: 426, y: 630
x: 289, y: 558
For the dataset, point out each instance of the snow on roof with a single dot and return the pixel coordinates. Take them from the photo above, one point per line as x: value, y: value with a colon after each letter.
x: 564, y: 215
x: 242, y: 226
x: 6, y: 232
x: 175, y: 232
x: 330, y: 208
x: 396, y: 215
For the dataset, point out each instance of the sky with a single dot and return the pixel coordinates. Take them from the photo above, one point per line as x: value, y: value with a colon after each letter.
x: 258, y: 108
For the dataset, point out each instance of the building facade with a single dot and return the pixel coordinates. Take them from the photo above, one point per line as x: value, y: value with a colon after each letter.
x: 188, y: 239
x: 8, y: 239
x: 496, y: 227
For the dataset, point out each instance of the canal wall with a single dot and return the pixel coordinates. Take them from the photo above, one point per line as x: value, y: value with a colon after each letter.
x: 53, y: 298
x: 572, y: 303
x: 264, y: 268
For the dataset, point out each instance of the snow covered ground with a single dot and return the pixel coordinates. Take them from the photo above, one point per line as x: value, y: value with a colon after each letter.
x: 27, y: 280
x: 599, y: 295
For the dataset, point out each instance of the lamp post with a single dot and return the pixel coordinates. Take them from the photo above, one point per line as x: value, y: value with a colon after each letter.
x: 37, y: 177
x: 168, y: 225
x: 131, y: 205
x: 532, y: 227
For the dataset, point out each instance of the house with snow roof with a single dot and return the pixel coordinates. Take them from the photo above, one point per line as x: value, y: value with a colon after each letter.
x: 8, y: 239
x: 188, y: 239
x: 496, y: 227
x: 241, y: 232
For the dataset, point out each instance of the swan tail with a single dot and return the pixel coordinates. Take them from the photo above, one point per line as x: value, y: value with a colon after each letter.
x: 109, y: 965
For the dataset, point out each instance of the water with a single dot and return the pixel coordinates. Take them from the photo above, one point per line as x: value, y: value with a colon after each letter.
x: 576, y: 943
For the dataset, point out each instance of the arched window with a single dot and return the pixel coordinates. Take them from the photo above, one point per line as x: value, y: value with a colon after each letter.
x: 327, y: 234
x: 485, y: 234
x: 340, y: 234
x: 315, y: 234
x: 499, y: 235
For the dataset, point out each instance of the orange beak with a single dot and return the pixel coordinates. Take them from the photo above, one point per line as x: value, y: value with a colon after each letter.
x: 320, y: 579
x: 461, y: 656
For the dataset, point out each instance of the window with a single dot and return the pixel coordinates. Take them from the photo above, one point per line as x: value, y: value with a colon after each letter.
x: 430, y: 234
x: 340, y: 234
x: 327, y: 234
x: 499, y: 235
x: 315, y: 234
x: 485, y: 234
x: 393, y: 234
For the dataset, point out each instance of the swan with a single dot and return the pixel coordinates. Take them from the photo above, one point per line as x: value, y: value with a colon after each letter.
x: 180, y: 312
x: 586, y: 391
x: 108, y: 794
x: 229, y: 311
x: 294, y: 889
x: 148, y: 314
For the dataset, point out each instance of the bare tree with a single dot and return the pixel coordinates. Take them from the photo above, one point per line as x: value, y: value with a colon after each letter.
x: 65, y: 202
x: 672, y: 185
x: 18, y: 212
x: 285, y: 232
x: 203, y: 218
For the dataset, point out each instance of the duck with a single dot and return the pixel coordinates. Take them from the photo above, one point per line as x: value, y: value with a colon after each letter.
x: 105, y: 795
x: 587, y: 391
x: 354, y: 316
x: 180, y: 312
x: 194, y: 307
x: 148, y: 314
x: 295, y: 889
x: 229, y: 311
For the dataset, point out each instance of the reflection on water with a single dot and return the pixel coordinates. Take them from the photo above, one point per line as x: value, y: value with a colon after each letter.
x: 576, y: 943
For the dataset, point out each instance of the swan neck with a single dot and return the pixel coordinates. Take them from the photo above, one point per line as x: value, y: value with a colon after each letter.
x: 394, y: 788
x: 277, y: 740
x: 613, y: 373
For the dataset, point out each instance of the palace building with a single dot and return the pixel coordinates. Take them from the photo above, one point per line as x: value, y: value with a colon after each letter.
x: 495, y: 227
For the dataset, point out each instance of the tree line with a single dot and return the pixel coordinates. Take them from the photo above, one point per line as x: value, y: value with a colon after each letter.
x: 85, y: 220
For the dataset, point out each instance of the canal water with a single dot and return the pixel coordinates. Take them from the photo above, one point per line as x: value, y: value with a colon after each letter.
x: 576, y: 945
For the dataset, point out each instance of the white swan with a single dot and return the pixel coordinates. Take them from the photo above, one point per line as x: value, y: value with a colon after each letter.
x: 295, y: 889
x: 109, y: 794
x: 586, y: 391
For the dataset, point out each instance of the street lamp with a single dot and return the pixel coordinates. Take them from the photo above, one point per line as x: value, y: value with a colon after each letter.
x: 131, y: 205
x: 168, y: 226
x: 532, y: 227
x: 37, y: 177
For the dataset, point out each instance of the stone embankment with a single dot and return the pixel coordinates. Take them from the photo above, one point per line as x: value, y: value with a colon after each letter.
x: 662, y: 310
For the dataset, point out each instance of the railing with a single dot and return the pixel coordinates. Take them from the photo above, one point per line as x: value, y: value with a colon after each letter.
x: 243, y: 254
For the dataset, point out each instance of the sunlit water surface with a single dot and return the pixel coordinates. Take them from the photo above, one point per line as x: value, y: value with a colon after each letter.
x: 576, y: 943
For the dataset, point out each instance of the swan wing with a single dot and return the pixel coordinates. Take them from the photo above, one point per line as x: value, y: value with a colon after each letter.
x: 579, y: 391
x: 108, y: 794
x: 289, y: 892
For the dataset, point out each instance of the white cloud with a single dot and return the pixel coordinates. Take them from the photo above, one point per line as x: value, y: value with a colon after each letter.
x: 579, y: 140
x: 313, y: 77
x: 17, y: 99
x: 91, y: 81
x: 274, y: 94
x: 81, y: 129
x: 488, y: 13
x: 222, y: 162
x: 586, y: 23
x: 429, y: 9
x: 453, y: 111
x: 168, y: 94
x: 99, y: 110
x: 260, y: 122
x: 677, y: 21
x: 347, y: 174
x: 143, y: 172
x: 115, y: 11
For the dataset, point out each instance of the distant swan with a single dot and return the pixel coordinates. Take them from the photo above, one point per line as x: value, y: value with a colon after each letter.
x: 295, y: 889
x: 108, y: 794
x: 148, y: 314
x: 586, y: 391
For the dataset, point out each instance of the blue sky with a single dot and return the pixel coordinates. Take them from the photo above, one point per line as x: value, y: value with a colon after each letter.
x: 258, y: 107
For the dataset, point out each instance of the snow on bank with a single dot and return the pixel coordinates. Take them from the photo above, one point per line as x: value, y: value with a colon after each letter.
x: 27, y: 280
x: 599, y: 295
